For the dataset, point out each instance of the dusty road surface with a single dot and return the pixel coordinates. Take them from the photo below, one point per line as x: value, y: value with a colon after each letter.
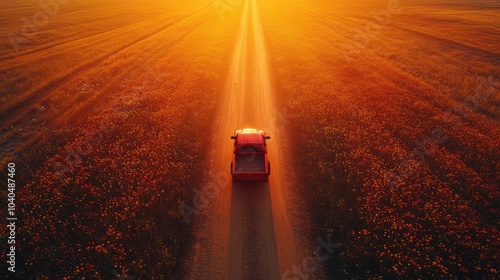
x: 250, y: 235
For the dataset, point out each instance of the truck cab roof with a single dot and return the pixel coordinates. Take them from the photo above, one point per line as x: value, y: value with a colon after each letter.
x: 250, y: 136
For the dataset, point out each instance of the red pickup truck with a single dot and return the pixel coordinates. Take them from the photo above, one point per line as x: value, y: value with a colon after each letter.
x: 250, y: 160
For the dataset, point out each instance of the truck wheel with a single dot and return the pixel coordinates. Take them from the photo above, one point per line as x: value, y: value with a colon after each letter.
x: 268, y: 171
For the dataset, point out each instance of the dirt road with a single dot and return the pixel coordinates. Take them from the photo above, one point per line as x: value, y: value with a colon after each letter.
x: 249, y: 232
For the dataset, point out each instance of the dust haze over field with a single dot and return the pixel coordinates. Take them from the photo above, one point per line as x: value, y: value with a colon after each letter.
x: 385, y: 145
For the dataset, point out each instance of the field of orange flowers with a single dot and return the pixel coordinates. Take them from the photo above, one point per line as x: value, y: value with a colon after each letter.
x: 109, y: 199
x: 401, y: 148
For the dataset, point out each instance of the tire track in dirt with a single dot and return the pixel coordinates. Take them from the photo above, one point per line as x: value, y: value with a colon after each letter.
x: 62, y: 44
x: 278, y: 184
x: 121, y: 30
x: 486, y: 55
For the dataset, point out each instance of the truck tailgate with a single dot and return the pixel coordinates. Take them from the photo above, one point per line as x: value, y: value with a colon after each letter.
x: 250, y: 163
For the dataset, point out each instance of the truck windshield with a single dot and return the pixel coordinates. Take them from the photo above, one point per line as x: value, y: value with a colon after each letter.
x: 249, y: 149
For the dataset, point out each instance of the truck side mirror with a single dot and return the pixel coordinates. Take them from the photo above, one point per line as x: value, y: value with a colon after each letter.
x: 268, y: 137
x: 233, y: 137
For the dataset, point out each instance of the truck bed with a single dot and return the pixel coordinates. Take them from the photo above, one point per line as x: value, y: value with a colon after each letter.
x: 250, y: 163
